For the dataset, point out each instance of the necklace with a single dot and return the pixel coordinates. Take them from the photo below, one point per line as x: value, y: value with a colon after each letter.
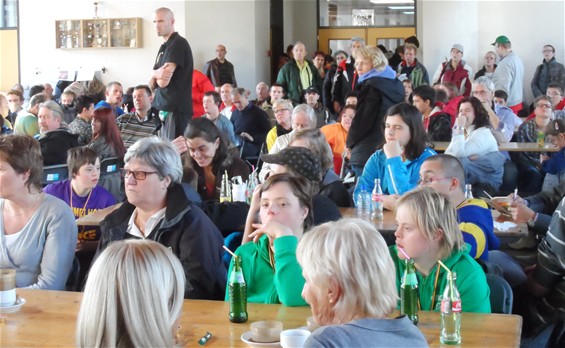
x: 272, y: 258
x: 434, y: 293
x: 80, y: 211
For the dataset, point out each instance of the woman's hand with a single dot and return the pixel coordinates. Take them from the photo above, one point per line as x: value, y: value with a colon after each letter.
x: 461, y: 121
x: 255, y: 204
x: 272, y: 229
x: 180, y: 144
x: 389, y: 201
x: 393, y: 149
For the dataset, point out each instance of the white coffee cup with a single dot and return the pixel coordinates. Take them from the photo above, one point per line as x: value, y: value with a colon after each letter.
x: 7, y: 287
x: 238, y: 193
x: 294, y: 338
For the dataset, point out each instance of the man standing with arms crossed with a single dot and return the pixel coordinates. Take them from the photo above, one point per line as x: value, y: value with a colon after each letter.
x: 172, y: 77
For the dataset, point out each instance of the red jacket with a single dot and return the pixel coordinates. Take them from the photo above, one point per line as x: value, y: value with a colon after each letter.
x: 452, y: 108
x: 200, y: 85
x: 459, y: 77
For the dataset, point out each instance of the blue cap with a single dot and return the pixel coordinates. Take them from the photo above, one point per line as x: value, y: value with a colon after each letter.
x: 102, y: 104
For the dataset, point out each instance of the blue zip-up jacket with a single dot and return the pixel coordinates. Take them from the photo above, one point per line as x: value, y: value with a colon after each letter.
x: 397, y: 177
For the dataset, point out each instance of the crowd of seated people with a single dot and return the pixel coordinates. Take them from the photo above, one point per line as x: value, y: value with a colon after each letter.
x: 171, y: 190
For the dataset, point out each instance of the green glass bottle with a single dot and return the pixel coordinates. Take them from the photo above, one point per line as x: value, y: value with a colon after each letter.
x: 237, y: 294
x: 409, y: 292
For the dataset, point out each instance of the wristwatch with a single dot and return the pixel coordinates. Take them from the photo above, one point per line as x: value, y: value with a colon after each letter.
x: 533, y: 220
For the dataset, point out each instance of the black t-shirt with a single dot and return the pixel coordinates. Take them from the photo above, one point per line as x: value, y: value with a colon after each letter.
x: 225, y: 73
x: 177, y: 96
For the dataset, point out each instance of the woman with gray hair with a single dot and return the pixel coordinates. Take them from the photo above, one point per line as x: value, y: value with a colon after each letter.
x: 135, y: 292
x: 378, y: 89
x: 157, y: 208
x: 350, y: 285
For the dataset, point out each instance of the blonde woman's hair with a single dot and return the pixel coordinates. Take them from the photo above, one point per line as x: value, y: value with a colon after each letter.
x: 133, y: 297
x: 374, y: 54
x: 434, y: 212
x: 354, y: 254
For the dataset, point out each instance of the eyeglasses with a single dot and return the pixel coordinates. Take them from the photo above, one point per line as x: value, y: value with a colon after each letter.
x: 280, y: 110
x: 553, y: 94
x: 430, y: 180
x: 480, y: 92
x: 547, y: 51
x: 546, y: 106
x: 137, y: 175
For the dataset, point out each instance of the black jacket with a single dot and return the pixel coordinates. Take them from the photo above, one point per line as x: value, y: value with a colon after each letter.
x: 376, y: 95
x: 190, y: 234
x: 55, y: 144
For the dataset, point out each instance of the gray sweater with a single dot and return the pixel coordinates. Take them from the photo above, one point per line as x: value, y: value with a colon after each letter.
x: 369, y: 332
x: 43, y: 253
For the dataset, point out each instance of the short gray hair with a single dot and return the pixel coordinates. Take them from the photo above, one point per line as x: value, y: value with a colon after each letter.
x: 485, y: 82
x: 287, y: 104
x: 159, y: 154
x: 308, y: 110
x: 55, y: 109
x: 358, y: 39
x: 354, y: 254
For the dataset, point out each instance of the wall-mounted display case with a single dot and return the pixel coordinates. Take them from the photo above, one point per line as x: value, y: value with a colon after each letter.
x: 98, y: 33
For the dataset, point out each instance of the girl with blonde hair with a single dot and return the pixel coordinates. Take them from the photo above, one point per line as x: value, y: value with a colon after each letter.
x: 428, y: 231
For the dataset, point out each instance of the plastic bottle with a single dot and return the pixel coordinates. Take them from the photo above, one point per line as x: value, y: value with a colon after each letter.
x: 237, y: 294
x: 377, y: 201
x: 409, y: 292
x: 363, y: 204
x: 450, y: 312
x: 468, y: 191
x: 225, y: 191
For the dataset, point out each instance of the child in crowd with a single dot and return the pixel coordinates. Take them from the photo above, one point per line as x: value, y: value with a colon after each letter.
x: 268, y: 252
x: 430, y: 235
x: 83, y: 194
x: 554, y: 166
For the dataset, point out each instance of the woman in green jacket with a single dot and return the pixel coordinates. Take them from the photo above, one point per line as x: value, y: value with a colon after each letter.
x: 431, y: 234
x: 269, y: 263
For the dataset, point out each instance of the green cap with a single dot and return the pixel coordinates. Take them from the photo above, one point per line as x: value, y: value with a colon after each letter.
x: 501, y: 40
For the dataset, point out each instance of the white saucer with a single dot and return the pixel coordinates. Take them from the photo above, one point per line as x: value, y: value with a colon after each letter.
x: 20, y: 301
x: 246, y: 337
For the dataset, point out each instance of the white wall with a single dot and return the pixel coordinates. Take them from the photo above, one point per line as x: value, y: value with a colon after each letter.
x: 300, y: 23
x: 204, y: 23
x: 475, y: 24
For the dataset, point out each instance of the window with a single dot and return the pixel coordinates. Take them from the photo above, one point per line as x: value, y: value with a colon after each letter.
x: 8, y: 14
x: 366, y: 13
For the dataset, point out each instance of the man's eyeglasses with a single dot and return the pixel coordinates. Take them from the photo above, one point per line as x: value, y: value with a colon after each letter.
x: 137, y: 175
x: 553, y: 94
x: 544, y: 105
x: 280, y: 110
x: 430, y: 180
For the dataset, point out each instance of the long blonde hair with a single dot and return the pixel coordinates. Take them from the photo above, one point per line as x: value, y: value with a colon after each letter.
x: 133, y: 297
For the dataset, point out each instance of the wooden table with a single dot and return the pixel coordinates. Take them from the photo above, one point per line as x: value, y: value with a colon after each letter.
x: 95, y: 218
x: 387, y: 226
x: 48, y: 319
x: 511, y: 146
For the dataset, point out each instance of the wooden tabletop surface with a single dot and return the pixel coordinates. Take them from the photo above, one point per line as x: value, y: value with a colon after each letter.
x: 511, y: 146
x: 388, y: 224
x: 95, y: 218
x: 48, y: 319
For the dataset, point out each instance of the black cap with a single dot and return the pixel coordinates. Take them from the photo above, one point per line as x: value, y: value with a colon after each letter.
x: 311, y: 89
x: 300, y: 159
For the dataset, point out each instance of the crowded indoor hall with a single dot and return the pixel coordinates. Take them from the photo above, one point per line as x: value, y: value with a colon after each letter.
x: 306, y: 173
